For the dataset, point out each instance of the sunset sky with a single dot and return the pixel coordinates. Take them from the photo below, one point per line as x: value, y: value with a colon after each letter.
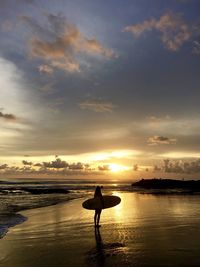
x: 99, y: 86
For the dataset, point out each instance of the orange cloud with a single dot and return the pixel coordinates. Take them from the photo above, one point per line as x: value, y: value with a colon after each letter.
x: 174, y: 30
x: 61, y: 45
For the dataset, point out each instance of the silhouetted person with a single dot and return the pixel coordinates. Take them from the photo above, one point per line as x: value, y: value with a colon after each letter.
x: 98, y: 211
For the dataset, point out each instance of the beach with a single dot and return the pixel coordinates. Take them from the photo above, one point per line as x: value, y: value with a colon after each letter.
x: 143, y: 230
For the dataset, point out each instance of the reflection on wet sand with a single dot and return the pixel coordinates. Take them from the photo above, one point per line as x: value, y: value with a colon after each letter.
x: 104, y: 250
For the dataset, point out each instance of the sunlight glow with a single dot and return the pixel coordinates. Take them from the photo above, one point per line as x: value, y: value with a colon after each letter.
x: 117, y: 167
x: 116, y: 154
x: 180, y: 155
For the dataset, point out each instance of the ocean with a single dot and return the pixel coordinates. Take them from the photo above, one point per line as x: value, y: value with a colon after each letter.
x: 18, y: 195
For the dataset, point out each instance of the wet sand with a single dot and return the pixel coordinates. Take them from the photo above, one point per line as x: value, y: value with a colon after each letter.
x: 144, y: 230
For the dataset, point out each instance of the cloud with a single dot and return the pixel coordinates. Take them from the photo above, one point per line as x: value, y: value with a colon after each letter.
x: 28, y: 163
x: 57, y: 164
x: 55, y: 167
x: 161, y: 140
x: 45, y: 69
x: 159, y: 119
x: 188, y: 167
x: 93, y: 46
x: 16, y: 96
x: 196, y: 47
x: 9, y: 117
x: 61, y: 42
x: 38, y: 164
x: 3, y: 167
x: 97, y: 105
x: 104, y: 168
x: 48, y: 88
x: 76, y: 166
x: 158, y: 122
x: 174, y: 30
x: 62, y: 164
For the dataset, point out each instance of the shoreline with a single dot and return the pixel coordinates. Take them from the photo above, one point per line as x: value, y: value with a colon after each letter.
x: 12, y: 219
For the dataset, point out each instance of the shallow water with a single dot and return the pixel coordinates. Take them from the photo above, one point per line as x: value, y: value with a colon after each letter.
x: 18, y: 195
x: 144, y: 230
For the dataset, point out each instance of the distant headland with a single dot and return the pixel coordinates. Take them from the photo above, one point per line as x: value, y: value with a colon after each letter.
x: 168, y: 186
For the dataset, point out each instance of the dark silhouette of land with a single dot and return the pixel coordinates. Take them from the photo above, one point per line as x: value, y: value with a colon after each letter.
x: 169, y: 185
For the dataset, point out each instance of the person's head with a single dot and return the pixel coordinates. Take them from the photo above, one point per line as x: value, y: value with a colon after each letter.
x: 98, y: 189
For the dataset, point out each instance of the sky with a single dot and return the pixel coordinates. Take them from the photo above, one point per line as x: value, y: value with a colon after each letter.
x: 98, y: 87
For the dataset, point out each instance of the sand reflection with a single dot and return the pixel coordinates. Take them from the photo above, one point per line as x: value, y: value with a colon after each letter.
x: 102, y: 251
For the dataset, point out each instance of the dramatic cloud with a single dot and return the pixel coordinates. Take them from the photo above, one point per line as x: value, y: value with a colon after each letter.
x: 60, y: 43
x: 9, y: 117
x: 55, y: 167
x: 161, y: 140
x: 97, y: 105
x: 175, y: 31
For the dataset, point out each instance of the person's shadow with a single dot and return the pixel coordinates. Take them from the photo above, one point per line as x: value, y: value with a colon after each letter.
x: 100, y: 252
x: 103, y: 251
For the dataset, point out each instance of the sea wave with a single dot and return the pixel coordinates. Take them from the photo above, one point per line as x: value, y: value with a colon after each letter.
x: 16, y: 199
x: 9, y: 220
x: 11, y: 204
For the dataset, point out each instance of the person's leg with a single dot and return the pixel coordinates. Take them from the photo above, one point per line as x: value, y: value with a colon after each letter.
x: 95, y: 218
x: 98, y: 216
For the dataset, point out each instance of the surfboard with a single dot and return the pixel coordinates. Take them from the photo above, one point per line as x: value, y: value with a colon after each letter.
x: 97, y: 203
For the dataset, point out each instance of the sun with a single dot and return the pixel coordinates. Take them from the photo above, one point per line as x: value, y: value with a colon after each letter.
x: 117, y: 167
